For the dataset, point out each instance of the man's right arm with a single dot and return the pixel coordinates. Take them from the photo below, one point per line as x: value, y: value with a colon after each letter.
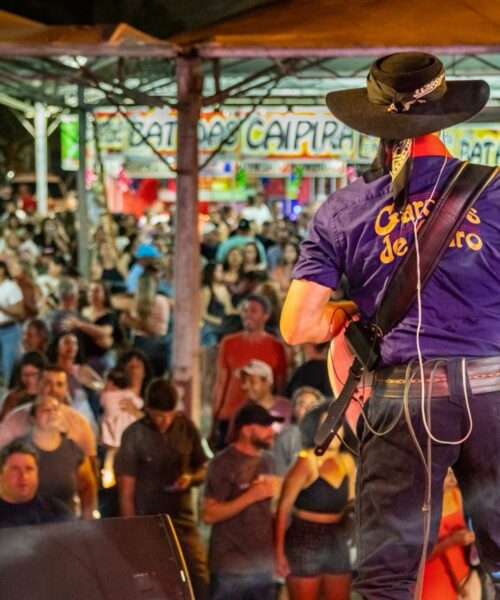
x: 263, y: 488
x: 309, y: 316
x: 221, y: 382
x: 126, y: 487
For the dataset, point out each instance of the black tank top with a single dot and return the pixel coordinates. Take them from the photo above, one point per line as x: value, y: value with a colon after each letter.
x: 321, y: 497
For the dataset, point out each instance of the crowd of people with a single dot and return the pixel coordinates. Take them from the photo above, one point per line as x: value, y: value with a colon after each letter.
x: 91, y: 425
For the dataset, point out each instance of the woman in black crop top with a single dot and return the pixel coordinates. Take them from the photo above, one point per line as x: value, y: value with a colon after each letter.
x: 313, y: 552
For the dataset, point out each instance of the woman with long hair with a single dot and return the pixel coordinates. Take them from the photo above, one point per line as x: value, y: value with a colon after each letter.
x: 312, y: 553
x: 109, y: 267
x: 64, y: 472
x: 281, y: 274
x: 215, y: 302
x: 25, y: 384
x: 233, y: 268
x: 138, y: 368
x: 99, y: 327
x: 148, y: 320
x: 65, y: 351
x: 252, y: 259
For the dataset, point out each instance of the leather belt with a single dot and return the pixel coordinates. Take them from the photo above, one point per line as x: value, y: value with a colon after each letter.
x: 483, y: 375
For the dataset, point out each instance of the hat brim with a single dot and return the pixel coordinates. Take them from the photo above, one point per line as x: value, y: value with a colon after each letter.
x: 462, y: 100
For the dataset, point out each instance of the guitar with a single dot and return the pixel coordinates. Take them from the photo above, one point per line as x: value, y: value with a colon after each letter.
x: 339, y: 361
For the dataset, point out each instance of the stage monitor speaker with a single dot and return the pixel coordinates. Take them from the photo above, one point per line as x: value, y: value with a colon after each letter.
x: 138, y: 558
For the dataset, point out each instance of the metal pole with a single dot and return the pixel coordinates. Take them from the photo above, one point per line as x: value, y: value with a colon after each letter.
x: 186, y: 367
x: 83, y: 241
x: 41, y: 157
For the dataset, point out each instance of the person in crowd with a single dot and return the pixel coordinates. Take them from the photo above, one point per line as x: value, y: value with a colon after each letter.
x: 215, y: 303
x: 138, y: 368
x: 49, y: 281
x: 69, y: 296
x: 222, y: 220
x: 20, y: 501
x: 121, y: 407
x: 405, y: 103
x: 288, y: 442
x: 99, y: 326
x: 66, y: 353
x: 11, y: 313
x: 269, y: 290
x: 256, y: 210
x: 109, y: 268
x: 11, y: 208
x: 233, y: 268
x: 313, y: 371
x: 63, y: 471
x: 24, y: 274
x: 312, y: 553
x: 28, y: 250
x: 36, y: 336
x: 257, y: 385
x: 448, y: 574
x: 235, y: 351
x: 249, y: 284
x: 159, y: 461
x: 251, y: 258
x: 209, y: 241
x: 146, y: 255
x: 53, y: 238
x: 148, y: 319
x: 216, y: 307
x: 74, y: 424
x: 237, y: 504
x: 242, y: 236
x: 27, y: 382
x: 281, y: 274
x: 265, y: 236
x: 283, y: 235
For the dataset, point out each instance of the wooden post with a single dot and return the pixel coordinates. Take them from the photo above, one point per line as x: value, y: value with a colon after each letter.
x: 186, y: 354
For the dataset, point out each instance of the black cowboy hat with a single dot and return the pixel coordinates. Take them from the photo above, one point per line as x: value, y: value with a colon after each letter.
x: 406, y: 97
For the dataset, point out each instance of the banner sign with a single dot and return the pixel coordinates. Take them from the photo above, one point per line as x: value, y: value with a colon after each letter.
x: 307, y: 133
x: 474, y: 144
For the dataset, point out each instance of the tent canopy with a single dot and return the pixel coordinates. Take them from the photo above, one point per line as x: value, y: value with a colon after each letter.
x: 337, y: 27
x: 23, y: 37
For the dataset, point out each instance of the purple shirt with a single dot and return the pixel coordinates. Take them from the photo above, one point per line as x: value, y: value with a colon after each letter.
x: 358, y: 233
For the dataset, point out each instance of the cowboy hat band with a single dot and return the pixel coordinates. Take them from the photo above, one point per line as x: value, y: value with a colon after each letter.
x: 407, y: 96
x: 398, y: 102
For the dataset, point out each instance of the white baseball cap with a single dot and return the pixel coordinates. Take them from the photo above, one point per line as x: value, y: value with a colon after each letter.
x: 259, y: 368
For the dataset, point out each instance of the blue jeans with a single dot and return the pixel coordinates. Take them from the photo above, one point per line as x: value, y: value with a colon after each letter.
x: 10, y: 349
x: 391, y: 484
x: 235, y: 586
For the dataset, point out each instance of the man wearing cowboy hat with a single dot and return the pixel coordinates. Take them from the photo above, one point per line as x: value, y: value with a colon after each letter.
x: 361, y: 232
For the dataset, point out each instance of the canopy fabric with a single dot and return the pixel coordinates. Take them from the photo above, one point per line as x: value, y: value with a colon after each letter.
x: 332, y: 26
x: 24, y: 36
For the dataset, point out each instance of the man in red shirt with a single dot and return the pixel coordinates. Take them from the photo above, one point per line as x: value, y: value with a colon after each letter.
x: 235, y: 351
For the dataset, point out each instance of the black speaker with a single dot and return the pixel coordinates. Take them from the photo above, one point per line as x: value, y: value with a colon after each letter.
x: 108, y: 559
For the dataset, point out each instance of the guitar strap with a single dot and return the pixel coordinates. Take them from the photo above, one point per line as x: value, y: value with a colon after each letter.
x: 434, y: 236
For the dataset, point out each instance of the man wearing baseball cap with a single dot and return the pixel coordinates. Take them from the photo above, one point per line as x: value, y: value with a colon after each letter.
x: 257, y: 385
x: 145, y: 254
x: 415, y: 428
x: 240, y: 484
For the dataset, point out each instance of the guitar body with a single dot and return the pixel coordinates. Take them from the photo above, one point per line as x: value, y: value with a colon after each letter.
x: 339, y: 360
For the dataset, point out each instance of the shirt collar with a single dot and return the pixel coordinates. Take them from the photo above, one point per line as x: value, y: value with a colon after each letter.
x: 429, y: 145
